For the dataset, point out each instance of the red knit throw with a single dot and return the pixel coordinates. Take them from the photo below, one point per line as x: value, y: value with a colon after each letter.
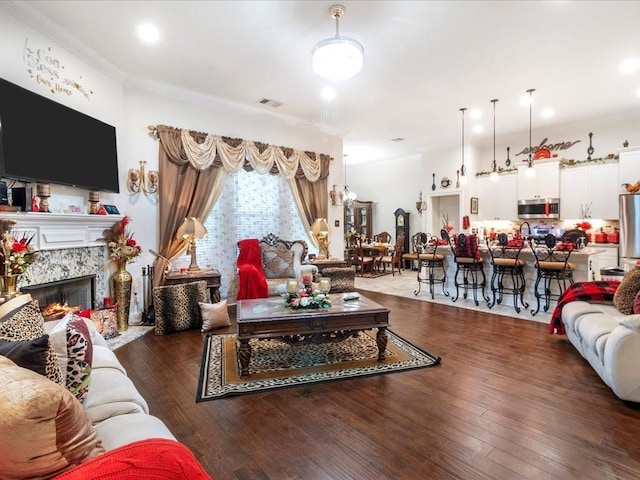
x: 251, y: 280
x: 152, y: 459
x: 596, y: 292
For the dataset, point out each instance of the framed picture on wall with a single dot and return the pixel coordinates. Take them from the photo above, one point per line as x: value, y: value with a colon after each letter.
x: 474, y: 204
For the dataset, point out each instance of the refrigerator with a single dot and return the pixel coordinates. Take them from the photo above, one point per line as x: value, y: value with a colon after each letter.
x: 629, y: 230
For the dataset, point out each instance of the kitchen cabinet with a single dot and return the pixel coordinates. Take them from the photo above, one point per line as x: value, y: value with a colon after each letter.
x: 544, y: 184
x: 358, y: 217
x: 498, y: 200
x: 589, y: 191
x: 629, y: 169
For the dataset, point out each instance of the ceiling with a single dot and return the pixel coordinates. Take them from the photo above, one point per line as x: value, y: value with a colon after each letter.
x: 424, y: 60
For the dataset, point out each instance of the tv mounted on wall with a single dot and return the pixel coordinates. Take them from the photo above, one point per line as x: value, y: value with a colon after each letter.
x: 47, y: 142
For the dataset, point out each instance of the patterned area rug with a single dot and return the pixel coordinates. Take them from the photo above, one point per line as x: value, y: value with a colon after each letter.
x: 376, y: 274
x: 275, y: 364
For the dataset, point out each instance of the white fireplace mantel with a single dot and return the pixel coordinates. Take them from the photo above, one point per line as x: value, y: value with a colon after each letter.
x: 55, y: 231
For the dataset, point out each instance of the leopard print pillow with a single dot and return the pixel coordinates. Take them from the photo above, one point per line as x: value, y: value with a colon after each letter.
x: 627, y: 291
x: 177, y: 306
x: 74, y: 350
x: 24, y: 323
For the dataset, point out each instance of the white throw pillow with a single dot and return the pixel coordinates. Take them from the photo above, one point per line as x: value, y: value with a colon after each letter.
x: 214, y: 315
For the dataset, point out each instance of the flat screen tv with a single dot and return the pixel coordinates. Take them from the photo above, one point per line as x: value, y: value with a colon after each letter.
x: 47, y: 142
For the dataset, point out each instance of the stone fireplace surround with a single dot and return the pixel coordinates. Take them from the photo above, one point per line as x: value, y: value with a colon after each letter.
x: 69, y: 246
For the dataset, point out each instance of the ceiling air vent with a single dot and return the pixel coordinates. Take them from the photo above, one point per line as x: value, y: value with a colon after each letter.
x: 269, y: 102
x: 397, y: 139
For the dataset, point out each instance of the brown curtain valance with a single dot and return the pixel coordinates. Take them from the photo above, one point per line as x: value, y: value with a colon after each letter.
x: 203, y: 150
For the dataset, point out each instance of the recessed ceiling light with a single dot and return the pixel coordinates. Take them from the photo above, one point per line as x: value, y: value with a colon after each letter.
x: 328, y: 94
x: 148, y: 33
x: 478, y: 129
x: 630, y: 65
x: 548, y: 113
x: 475, y: 114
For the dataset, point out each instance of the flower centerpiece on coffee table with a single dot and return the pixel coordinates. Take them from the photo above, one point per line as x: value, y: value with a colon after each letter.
x: 306, y: 298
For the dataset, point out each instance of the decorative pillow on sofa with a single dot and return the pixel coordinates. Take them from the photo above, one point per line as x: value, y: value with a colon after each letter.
x: 72, y: 342
x: 21, y: 321
x: 44, y: 430
x: 277, y: 261
x: 107, y: 320
x: 627, y: 291
x: 636, y: 303
x: 214, y: 315
x: 31, y: 354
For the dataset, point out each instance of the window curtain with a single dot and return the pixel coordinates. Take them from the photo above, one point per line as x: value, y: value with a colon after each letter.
x: 193, y: 167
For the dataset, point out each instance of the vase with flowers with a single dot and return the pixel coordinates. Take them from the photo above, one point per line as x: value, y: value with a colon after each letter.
x: 17, y: 254
x: 122, y: 249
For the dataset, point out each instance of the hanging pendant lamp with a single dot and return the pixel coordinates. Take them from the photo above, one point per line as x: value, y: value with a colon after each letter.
x: 463, y: 169
x: 337, y: 58
x: 530, y: 172
x: 494, y: 165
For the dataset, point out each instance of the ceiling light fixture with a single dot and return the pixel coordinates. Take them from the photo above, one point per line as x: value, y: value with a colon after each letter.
x: 337, y: 58
x: 494, y: 177
x: 530, y: 172
x: 328, y: 94
x: 463, y: 170
x: 148, y: 33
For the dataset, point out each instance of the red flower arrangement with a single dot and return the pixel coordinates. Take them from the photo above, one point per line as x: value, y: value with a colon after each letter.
x: 16, y: 250
x: 122, y: 246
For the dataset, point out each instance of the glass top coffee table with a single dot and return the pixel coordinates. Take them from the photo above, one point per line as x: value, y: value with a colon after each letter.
x: 269, y: 318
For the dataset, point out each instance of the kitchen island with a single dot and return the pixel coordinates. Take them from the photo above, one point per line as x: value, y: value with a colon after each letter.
x: 586, y: 261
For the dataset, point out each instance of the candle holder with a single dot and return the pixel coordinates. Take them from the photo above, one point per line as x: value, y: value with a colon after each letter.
x: 44, y: 192
x: 94, y: 202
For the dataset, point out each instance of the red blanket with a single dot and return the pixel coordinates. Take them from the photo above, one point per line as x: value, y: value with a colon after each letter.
x: 251, y: 280
x: 596, y: 292
x: 156, y: 459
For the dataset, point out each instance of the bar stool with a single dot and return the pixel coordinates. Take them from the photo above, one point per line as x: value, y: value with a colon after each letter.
x: 506, y: 263
x: 553, y: 268
x: 469, y: 264
x: 430, y: 260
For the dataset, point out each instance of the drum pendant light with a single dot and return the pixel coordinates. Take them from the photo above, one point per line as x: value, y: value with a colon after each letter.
x: 494, y: 166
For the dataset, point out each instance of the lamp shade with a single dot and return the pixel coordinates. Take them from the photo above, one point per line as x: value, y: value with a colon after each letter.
x: 337, y: 58
x: 191, y: 227
x: 320, y: 227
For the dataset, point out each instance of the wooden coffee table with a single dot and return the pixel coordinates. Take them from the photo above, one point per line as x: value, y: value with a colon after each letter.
x: 269, y: 318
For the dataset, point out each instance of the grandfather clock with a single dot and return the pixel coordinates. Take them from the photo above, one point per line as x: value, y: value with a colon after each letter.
x: 402, y: 227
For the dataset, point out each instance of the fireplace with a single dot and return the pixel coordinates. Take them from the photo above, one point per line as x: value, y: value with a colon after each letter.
x: 77, y: 292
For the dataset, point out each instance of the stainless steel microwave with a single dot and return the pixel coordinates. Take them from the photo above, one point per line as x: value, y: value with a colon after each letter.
x: 539, y: 208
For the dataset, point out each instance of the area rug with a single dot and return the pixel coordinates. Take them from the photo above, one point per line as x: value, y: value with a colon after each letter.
x: 276, y: 364
x: 375, y: 274
x: 133, y: 332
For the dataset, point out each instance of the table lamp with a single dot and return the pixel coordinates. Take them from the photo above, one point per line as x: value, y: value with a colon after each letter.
x: 320, y: 231
x: 188, y: 231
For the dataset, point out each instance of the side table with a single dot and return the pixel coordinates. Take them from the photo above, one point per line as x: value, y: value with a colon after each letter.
x: 212, y: 277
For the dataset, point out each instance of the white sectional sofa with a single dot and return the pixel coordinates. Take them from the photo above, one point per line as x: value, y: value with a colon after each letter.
x: 609, y: 341
x: 117, y: 410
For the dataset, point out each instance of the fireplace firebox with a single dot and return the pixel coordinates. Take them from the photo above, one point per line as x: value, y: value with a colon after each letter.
x: 75, y: 292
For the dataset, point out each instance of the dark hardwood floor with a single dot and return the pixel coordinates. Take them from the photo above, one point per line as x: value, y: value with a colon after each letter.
x: 509, y: 401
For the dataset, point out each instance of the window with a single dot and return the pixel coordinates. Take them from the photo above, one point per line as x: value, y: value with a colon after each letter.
x: 251, y: 206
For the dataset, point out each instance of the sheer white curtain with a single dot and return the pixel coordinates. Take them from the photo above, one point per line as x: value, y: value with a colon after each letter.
x: 251, y: 205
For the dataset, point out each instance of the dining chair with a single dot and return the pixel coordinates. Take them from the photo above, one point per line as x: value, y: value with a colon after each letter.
x: 395, y: 258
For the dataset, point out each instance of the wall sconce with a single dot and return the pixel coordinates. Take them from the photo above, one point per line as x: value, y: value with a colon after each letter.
x: 137, y: 181
x: 421, y: 205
